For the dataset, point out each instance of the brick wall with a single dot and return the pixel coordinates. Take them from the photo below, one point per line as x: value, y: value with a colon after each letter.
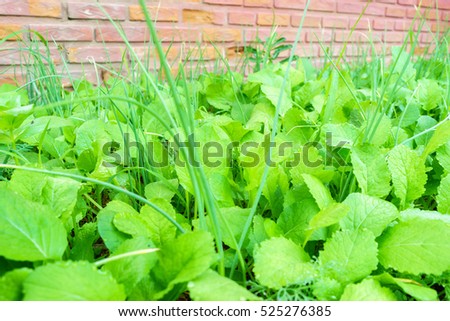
x: 84, y: 34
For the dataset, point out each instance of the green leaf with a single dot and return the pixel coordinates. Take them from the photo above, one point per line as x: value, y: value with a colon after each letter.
x: 320, y: 193
x: 71, y: 281
x: 234, y: 218
x: 294, y: 220
x: 410, y: 287
x: 149, y: 223
x: 408, y: 174
x: 371, y: 170
x: 367, y: 290
x: 429, y: 93
x: 183, y: 259
x: 441, y: 136
x: 130, y: 270
x: 416, y: 246
x: 82, y: 244
x: 280, y: 262
x: 277, y: 184
x: 165, y: 190
x: 443, y: 196
x: 329, y: 216
x: 367, y: 212
x: 349, y: 256
x: 271, y: 84
x: 11, y: 284
x: 27, y: 231
x: 210, y: 286
x: 106, y: 228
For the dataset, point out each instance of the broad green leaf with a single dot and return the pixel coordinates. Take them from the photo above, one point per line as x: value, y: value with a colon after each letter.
x: 130, y: 270
x: 149, y: 223
x: 105, y: 218
x: 416, y: 246
x: 410, y: 287
x: 371, y: 170
x: 327, y: 289
x: 27, y: 231
x: 232, y: 221
x: 429, y: 93
x: 210, y: 286
x: 271, y: 84
x: 367, y: 290
x: 320, y: 193
x: 424, y: 124
x: 71, y: 281
x: 82, y: 244
x: 441, y: 136
x: 27, y: 184
x: 415, y: 213
x: 59, y: 194
x: 330, y: 215
x: 443, y: 196
x: 367, y: 212
x: 277, y: 184
x: 280, y: 262
x: 183, y: 259
x: 349, y: 256
x: 294, y: 220
x: 408, y: 174
x: 443, y: 156
x: 11, y: 284
x: 159, y: 189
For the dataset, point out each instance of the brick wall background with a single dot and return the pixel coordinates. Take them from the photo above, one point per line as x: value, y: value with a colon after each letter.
x: 84, y: 34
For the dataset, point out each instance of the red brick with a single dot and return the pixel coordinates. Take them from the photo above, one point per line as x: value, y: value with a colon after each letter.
x: 225, y: 2
x: 222, y: 35
x: 426, y: 38
x: 178, y: 34
x: 92, y: 11
x: 444, y: 4
x: 357, y: 8
x: 319, y: 36
x: 429, y: 3
x: 64, y: 32
x: 380, y: 24
x: 95, y: 53
x: 242, y: 18
x: 258, y: 3
x: 335, y: 22
x: 397, y: 37
x: 290, y: 4
x: 399, y: 12
x: 203, y: 17
x: 387, y: 1
x: 156, y: 13
x: 204, y: 53
x: 36, y: 8
x: 408, y: 2
x: 18, y: 56
x: 171, y: 53
x: 402, y: 25
x: 323, y: 5
x: 132, y: 33
x: 350, y: 7
x: 427, y: 14
x: 342, y: 36
x: 269, y: 19
x: 6, y: 29
x: 363, y: 24
x: 312, y: 22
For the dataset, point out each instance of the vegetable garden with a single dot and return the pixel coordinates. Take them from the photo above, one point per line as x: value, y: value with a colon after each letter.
x: 292, y: 182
